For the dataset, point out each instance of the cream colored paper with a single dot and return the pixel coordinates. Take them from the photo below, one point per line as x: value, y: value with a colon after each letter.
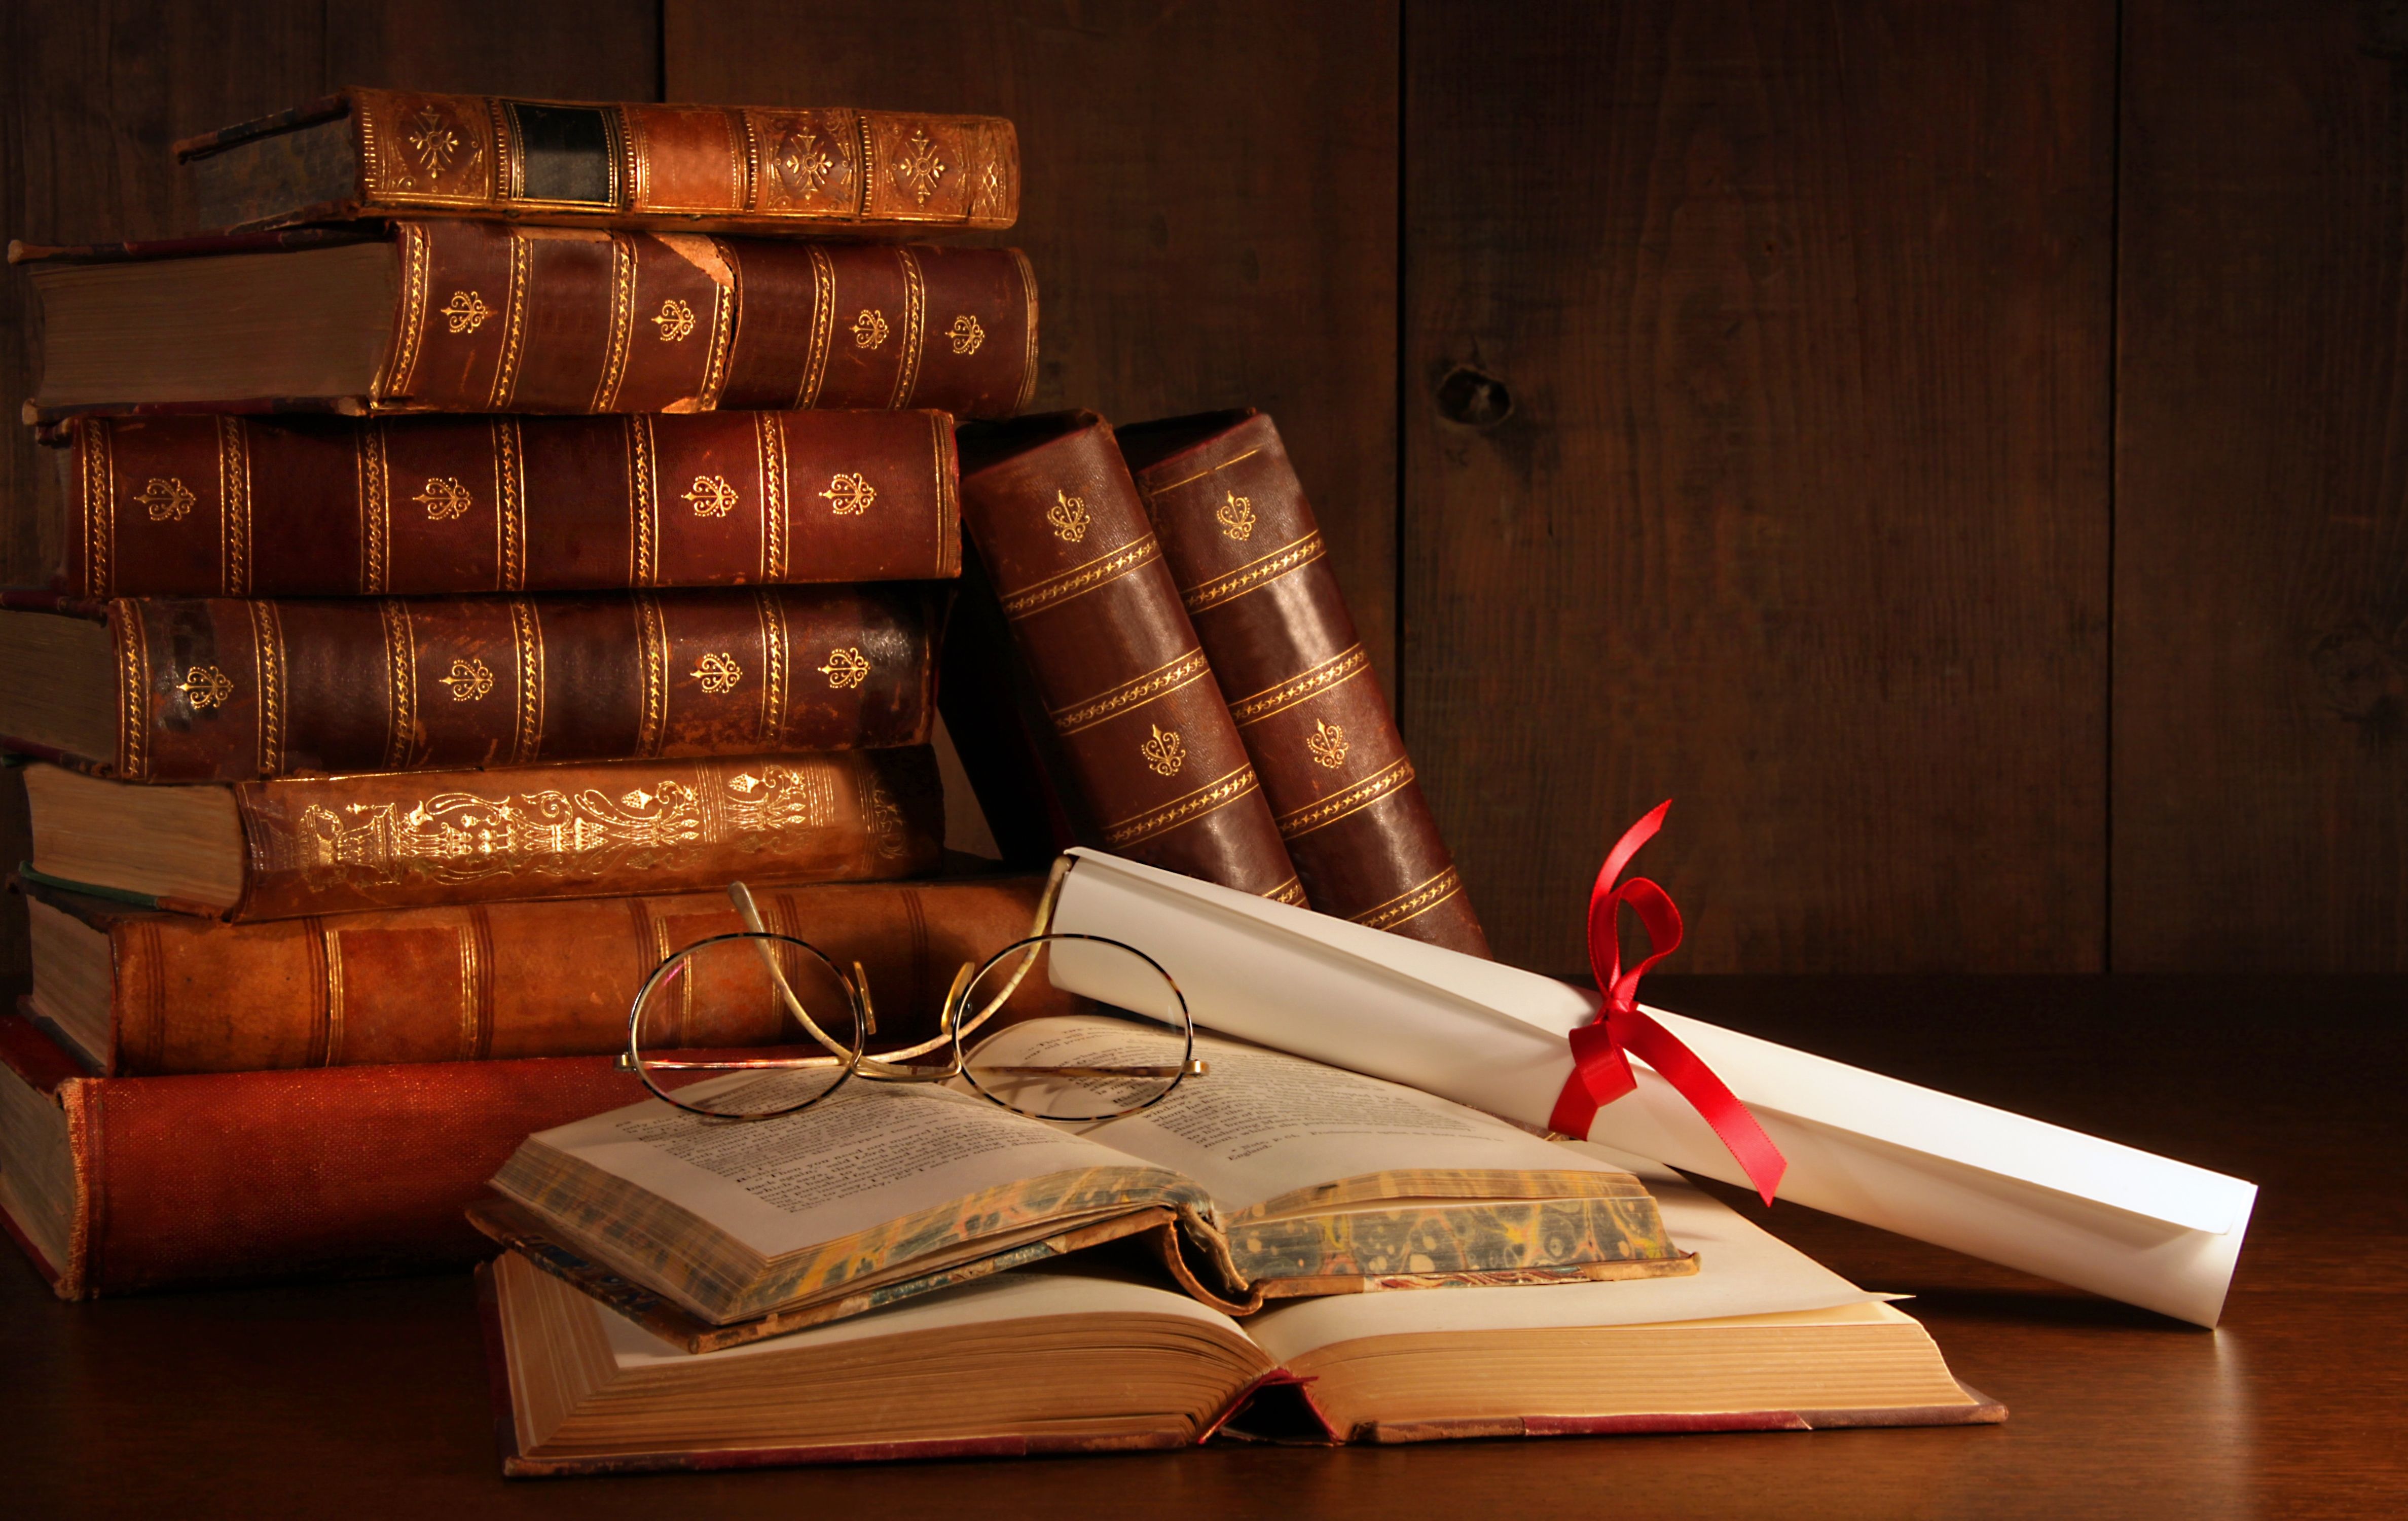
x: 2051, y: 1201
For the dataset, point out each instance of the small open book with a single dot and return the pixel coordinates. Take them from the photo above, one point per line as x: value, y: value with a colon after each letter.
x: 1078, y: 1357
x: 1272, y: 1177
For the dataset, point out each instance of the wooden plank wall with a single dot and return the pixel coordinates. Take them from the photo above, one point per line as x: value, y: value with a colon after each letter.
x: 1954, y: 450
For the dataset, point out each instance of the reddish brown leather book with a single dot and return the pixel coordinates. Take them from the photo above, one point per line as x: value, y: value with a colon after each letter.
x: 293, y: 846
x: 772, y: 169
x: 1138, y: 720
x: 1247, y: 554
x: 166, y: 689
x: 493, y: 317
x: 336, y: 507
x: 136, y: 991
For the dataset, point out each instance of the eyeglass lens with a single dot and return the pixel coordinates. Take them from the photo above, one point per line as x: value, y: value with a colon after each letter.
x: 745, y: 1025
x: 1078, y: 1074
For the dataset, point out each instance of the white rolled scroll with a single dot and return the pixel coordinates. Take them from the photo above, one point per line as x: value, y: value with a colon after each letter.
x: 2100, y: 1216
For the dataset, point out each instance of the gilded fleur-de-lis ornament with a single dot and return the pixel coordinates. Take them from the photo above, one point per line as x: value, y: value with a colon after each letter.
x: 1328, y: 744
x: 1235, y: 516
x: 965, y: 334
x: 165, y: 499
x: 848, y: 496
x: 205, y: 687
x: 1166, y: 752
x: 718, y: 672
x: 466, y: 312
x: 675, y: 320
x: 712, y: 496
x: 845, y: 669
x: 869, y: 329
x: 444, y: 498
x: 1068, y: 516
x: 470, y: 681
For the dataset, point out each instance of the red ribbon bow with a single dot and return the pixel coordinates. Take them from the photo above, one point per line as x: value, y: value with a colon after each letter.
x: 1601, y: 1051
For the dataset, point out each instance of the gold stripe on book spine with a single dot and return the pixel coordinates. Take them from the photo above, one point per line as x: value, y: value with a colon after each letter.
x: 1362, y: 794
x: 1184, y: 670
x: 869, y: 163
x: 234, y: 505
x: 726, y: 312
x: 470, y: 1004
x: 526, y: 635
x: 637, y: 182
x: 653, y: 650
x: 772, y: 609
x: 1412, y: 903
x: 915, y: 323
x: 770, y: 433
x: 1200, y: 475
x: 410, y: 332
x: 514, y: 311
x: 1079, y: 580
x: 509, y: 506
x: 401, y: 681
x: 268, y: 652
x: 1338, y: 670
x: 133, y: 690
x: 1238, y: 582
x: 949, y: 516
x: 823, y: 327
x: 376, y: 506
x: 1290, y: 890
x: 1212, y: 796
x: 330, y: 962
x: 622, y: 320
x: 99, y: 464
x: 748, y: 169
x: 643, y: 493
x: 1027, y: 299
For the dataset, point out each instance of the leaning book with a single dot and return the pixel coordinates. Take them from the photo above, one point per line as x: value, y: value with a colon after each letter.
x: 1271, y: 1177
x: 1081, y: 1356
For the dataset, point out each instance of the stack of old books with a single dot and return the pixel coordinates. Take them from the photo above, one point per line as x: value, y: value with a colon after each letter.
x: 378, y: 757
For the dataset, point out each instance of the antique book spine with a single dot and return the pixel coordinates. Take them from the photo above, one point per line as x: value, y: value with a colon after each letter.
x: 495, y: 317
x: 197, y: 505
x: 483, y: 981
x: 224, y: 690
x: 176, y: 1180
x: 1140, y: 722
x: 771, y: 169
x: 398, y: 840
x: 1247, y: 554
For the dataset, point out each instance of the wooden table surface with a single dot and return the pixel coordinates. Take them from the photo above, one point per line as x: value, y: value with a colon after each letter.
x: 369, y: 1398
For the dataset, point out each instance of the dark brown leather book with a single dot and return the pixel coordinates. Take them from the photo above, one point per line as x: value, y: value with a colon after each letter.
x: 739, y: 168
x: 293, y: 846
x: 167, y: 689
x: 224, y: 506
x: 1136, y: 715
x: 1247, y: 554
x: 492, y: 317
x: 135, y: 991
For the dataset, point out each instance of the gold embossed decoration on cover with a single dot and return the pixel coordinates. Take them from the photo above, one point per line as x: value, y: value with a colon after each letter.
x: 444, y: 500
x: 166, y: 499
x: 801, y: 165
x: 206, y: 687
x: 1327, y: 743
x: 919, y: 170
x: 712, y: 496
x: 675, y: 320
x: 1164, y: 753
x: 869, y: 329
x: 718, y: 672
x: 849, y: 494
x: 1068, y: 516
x: 965, y: 334
x: 1237, y: 516
x: 470, y: 681
x: 845, y: 669
x: 466, y: 312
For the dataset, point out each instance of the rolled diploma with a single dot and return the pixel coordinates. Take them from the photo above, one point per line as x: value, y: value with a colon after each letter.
x: 2092, y: 1214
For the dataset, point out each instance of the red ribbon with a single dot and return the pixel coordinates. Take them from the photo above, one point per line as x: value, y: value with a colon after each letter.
x: 1601, y: 1051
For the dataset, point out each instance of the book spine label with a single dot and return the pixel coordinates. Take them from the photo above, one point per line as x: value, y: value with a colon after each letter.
x: 1244, y: 547
x: 497, y: 318
x: 1126, y: 687
x: 225, y: 690
x: 782, y: 171
x: 477, y: 981
x: 403, y: 839
x: 194, y: 506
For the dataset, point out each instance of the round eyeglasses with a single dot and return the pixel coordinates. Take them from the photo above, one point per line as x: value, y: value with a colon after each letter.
x: 809, y: 1023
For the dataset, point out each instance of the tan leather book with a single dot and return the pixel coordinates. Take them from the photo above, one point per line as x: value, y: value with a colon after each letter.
x: 293, y: 846
x: 455, y: 316
x: 738, y: 168
x: 225, y: 506
x: 1242, y: 544
x: 133, y: 991
x: 1137, y: 721
x: 167, y: 689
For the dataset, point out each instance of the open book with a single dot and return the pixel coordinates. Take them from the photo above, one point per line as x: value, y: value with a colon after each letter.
x: 1271, y: 1177
x: 1074, y: 1357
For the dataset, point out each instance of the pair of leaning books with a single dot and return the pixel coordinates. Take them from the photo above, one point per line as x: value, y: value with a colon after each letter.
x: 513, y: 522
x: 1277, y: 1249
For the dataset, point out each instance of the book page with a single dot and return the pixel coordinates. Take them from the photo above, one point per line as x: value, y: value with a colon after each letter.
x: 1027, y: 1293
x: 874, y: 1152
x: 1260, y: 1124
x: 1742, y: 1269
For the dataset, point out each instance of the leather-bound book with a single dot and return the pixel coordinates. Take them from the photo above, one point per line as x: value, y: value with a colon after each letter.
x: 455, y: 316
x: 203, y: 506
x: 135, y: 991
x: 770, y: 169
x: 168, y: 689
x: 293, y: 846
x: 1136, y: 718
x: 1242, y: 542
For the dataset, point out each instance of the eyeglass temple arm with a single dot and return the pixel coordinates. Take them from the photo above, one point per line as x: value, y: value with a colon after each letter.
x: 746, y: 910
